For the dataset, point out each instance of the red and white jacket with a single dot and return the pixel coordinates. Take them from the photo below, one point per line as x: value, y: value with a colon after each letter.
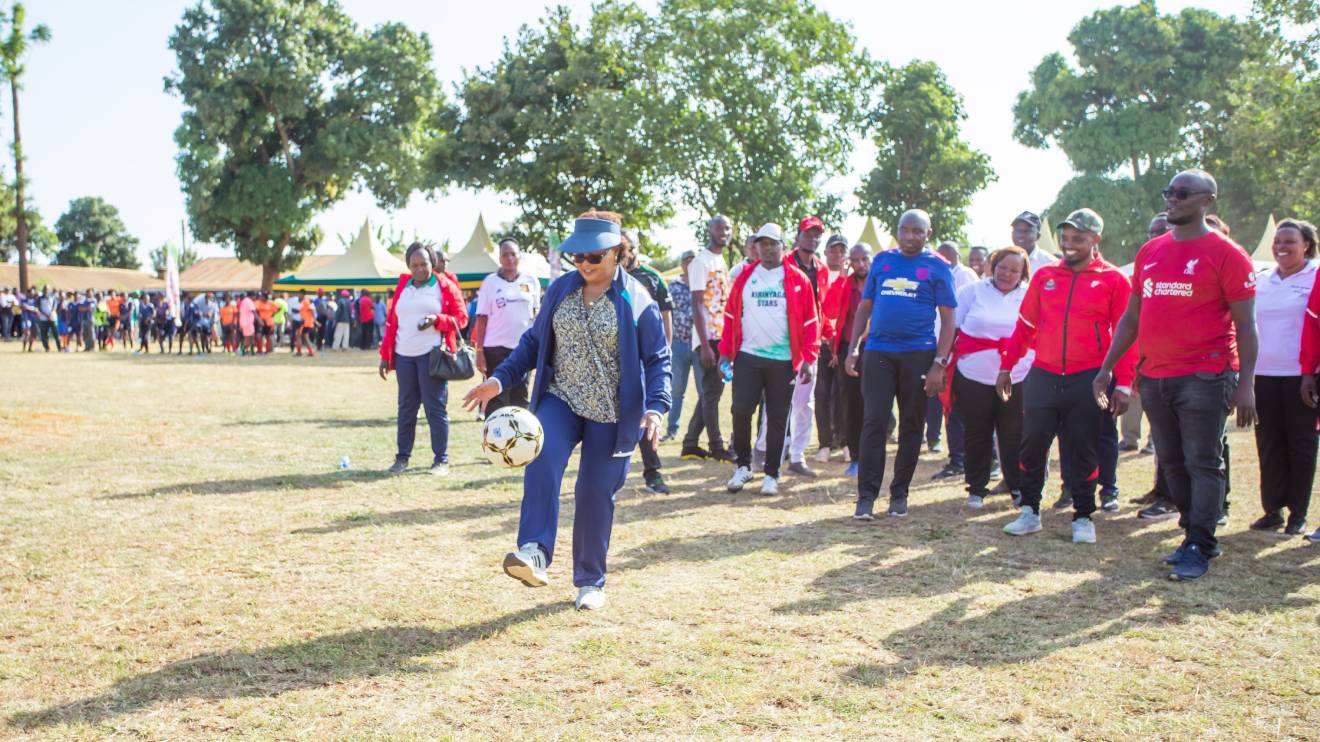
x: 452, y: 318
x: 1070, y: 318
x: 803, y: 319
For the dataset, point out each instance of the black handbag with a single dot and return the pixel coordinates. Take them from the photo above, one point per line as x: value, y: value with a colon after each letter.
x: 456, y: 366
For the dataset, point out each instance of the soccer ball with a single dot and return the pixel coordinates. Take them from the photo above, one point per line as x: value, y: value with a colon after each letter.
x: 512, y: 437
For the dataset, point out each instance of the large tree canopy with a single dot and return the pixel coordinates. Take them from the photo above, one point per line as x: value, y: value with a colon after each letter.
x: 922, y: 161
x: 557, y: 123
x: 92, y: 234
x: 754, y: 104
x: 40, y: 239
x: 287, y: 106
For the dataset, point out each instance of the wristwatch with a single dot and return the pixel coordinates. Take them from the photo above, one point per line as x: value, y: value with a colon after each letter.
x: 943, y: 361
x: 1124, y: 389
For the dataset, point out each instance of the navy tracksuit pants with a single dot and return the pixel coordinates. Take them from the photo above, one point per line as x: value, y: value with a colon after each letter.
x: 600, y: 475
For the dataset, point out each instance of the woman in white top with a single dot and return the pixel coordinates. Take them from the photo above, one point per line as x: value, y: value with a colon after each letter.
x: 426, y: 310
x: 986, y: 315
x: 1285, y: 434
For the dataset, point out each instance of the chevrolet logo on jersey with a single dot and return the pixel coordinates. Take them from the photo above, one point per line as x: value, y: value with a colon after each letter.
x: 899, y: 287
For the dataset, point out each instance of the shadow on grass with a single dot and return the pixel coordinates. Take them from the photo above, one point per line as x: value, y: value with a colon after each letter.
x: 939, y: 552
x: 274, y: 670
x: 325, y: 480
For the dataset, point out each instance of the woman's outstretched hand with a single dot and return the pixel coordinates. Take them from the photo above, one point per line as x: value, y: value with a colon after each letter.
x: 481, y: 394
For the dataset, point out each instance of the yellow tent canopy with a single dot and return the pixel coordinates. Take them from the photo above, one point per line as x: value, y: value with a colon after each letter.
x: 1265, y: 250
x: 877, y: 238
x: 479, y: 259
x: 365, y: 265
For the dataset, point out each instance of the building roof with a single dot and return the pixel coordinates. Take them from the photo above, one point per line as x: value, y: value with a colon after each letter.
x: 232, y: 274
x: 77, y: 278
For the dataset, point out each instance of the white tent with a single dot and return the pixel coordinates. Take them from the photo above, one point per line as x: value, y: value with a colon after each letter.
x: 365, y: 265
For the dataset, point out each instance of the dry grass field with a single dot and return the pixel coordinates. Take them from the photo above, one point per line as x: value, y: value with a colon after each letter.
x: 180, y: 557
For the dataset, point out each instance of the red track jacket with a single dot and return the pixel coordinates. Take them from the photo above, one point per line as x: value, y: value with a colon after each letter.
x: 803, y: 320
x: 452, y: 318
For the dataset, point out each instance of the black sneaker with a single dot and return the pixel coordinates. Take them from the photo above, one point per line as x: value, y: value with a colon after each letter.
x: 1223, y: 518
x: 949, y: 471
x: 1150, y: 498
x: 694, y: 453
x: 1109, y: 501
x: 399, y: 466
x: 1267, y: 522
x: 1064, y: 501
x: 1177, y: 554
x: 721, y: 454
x: 1124, y: 447
x: 898, y: 507
x: 1191, y: 566
x: 1295, y: 527
x: 657, y: 485
x: 996, y: 472
x: 1161, y: 510
x: 863, y: 510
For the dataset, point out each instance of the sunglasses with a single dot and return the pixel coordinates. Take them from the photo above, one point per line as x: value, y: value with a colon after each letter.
x: 593, y: 258
x: 1180, y: 194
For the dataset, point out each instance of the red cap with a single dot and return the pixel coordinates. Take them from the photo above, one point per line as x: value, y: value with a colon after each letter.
x: 809, y: 223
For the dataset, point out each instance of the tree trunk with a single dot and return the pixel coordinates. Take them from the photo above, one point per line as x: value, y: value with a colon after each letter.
x: 268, y: 275
x: 1136, y: 169
x: 20, y: 218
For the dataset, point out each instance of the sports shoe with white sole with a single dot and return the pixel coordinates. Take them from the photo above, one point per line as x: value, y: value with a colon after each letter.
x: 769, y: 485
x: 1083, y: 530
x: 741, y: 476
x: 590, y: 598
x: 440, y: 469
x: 823, y: 455
x: 1027, y: 522
x: 527, y: 565
x: 975, y: 501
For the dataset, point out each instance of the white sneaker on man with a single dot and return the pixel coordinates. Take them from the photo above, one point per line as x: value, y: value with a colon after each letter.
x: 590, y: 598
x: 527, y: 565
x: 769, y: 485
x: 823, y: 455
x: 741, y: 476
x: 1083, y: 531
x: 1027, y: 522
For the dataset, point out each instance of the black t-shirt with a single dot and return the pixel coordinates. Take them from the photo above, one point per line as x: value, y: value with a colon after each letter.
x: 810, y: 270
x: 655, y: 285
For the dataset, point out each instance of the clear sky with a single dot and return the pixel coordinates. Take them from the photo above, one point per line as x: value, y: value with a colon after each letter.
x: 97, y: 122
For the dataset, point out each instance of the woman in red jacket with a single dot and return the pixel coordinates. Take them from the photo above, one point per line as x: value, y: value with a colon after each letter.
x: 427, y: 309
x: 771, y: 332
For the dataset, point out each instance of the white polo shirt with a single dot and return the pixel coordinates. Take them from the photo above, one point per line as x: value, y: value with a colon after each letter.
x: 986, y: 312
x: 510, y: 307
x: 1280, y: 313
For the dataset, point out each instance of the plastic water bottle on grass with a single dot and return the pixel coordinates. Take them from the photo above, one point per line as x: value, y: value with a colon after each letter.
x: 343, y: 463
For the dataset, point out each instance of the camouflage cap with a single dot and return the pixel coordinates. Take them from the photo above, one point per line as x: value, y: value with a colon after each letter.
x: 1085, y: 220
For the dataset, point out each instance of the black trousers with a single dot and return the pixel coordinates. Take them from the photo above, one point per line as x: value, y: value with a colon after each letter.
x: 1286, y: 443
x: 850, y: 392
x: 755, y: 377
x: 707, y: 414
x: 829, y: 400
x: 886, y: 377
x: 984, y: 415
x: 516, y: 396
x: 1054, y: 403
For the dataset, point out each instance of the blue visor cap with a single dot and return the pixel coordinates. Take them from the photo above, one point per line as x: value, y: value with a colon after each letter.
x: 591, y: 235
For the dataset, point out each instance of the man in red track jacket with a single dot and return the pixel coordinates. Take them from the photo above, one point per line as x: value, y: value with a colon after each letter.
x: 771, y: 332
x: 1069, y: 314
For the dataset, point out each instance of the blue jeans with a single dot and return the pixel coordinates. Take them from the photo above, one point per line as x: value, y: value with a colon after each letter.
x: 1187, y: 416
x: 417, y: 388
x: 682, y: 360
x: 600, y: 475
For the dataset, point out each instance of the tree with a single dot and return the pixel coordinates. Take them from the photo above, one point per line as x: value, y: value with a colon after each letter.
x: 557, y: 123
x: 13, y: 53
x: 92, y: 234
x: 184, y: 258
x: 40, y: 239
x: 288, y: 106
x: 753, y: 105
x: 922, y: 161
x: 1150, y: 94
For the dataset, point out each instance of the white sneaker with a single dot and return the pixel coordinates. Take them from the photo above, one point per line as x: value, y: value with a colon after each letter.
x: 823, y: 455
x: 1027, y: 522
x: 741, y: 476
x: 590, y: 598
x: 527, y: 565
x: 1083, y: 530
x: 769, y: 485
x: 440, y: 469
x: 975, y: 501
